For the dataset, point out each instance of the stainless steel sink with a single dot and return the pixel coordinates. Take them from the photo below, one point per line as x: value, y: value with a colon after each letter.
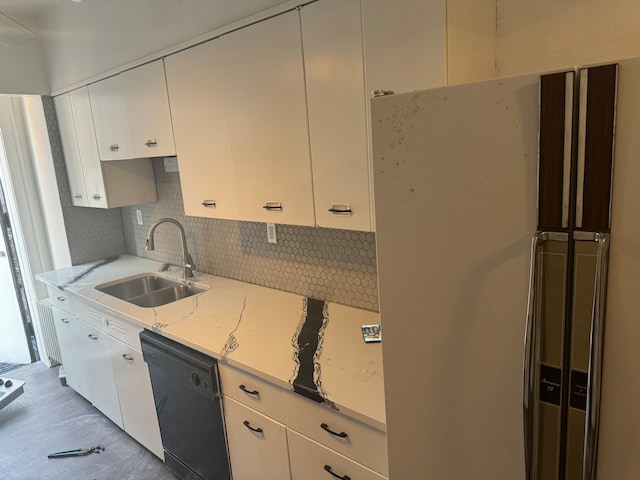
x: 150, y: 290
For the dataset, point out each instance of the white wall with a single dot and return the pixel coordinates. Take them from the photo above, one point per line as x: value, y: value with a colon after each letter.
x: 84, y: 40
x: 22, y: 68
x: 471, y: 40
x: 550, y: 34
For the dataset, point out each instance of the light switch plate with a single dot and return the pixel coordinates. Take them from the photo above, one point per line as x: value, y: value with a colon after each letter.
x: 271, y: 233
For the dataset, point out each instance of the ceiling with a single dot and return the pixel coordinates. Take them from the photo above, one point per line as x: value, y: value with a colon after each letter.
x: 27, y: 7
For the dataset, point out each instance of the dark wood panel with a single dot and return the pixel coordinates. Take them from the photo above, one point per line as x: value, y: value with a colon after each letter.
x: 601, y: 97
x: 552, y: 146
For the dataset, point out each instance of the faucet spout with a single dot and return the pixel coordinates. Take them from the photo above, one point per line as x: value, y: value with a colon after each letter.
x: 187, y: 261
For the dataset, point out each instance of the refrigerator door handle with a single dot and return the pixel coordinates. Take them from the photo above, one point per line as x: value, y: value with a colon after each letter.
x: 595, y: 358
x: 529, y: 370
x: 528, y: 377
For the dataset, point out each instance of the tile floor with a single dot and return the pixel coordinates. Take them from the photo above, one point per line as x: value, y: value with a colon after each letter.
x: 49, y: 418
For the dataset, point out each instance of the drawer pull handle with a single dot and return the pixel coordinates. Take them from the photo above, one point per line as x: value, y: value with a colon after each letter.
x: 326, y: 428
x: 151, y: 142
x: 209, y: 203
x: 64, y: 320
x: 92, y: 336
x: 61, y: 299
x: 128, y: 358
x: 327, y: 468
x: 114, y: 147
x: 250, y: 392
x: 341, y: 209
x: 273, y: 207
x: 248, y: 425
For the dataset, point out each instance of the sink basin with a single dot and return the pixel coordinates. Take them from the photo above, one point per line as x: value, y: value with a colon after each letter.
x: 150, y: 290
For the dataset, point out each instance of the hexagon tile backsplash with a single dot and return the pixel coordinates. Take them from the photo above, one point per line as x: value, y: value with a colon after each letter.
x: 328, y: 264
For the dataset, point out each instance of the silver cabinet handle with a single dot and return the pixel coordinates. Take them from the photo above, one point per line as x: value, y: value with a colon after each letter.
x: 64, y: 320
x: 97, y: 196
x: 341, y: 209
x: 92, y: 336
x: 595, y: 357
x: 61, y: 299
x: 77, y: 195
x: 273, y: 206
x: 382, y: 93
x: 114, y: 147
x: 128, y: 358
x: 209, y: 203
x: 151, y: 142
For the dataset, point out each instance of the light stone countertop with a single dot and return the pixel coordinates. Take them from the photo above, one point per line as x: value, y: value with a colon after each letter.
x: 253, y: 328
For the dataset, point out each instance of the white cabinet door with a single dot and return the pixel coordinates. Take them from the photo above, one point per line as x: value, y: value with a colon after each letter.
x: 108, y: 106
x: 201, y: 129
x: 257, y: 444
x: 268, y: 120
x: 337, y: 113
x: 105, y: 185
x: 136, y: 396
x: 70, y: 148
x: 88, y: 148
x: 71, y: 349
x: 312, y: 461
x: 404, y: 44
x: 101, y: 380
x: 147, y: 107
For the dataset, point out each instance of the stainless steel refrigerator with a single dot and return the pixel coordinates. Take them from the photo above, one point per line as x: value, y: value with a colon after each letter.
x: 509, y: 276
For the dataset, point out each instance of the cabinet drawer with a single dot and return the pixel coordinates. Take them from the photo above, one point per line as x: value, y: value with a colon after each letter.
x: 110, y: 323
x: 312, y: 461
x: 253, y: 392
x: 353, y: 439
x: 61, y: 299
x: 257, y: 444
x: 91, y: 315
x: 123, y: 330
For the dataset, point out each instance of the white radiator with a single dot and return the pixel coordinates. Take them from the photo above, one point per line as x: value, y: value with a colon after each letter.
x: 49, y: 331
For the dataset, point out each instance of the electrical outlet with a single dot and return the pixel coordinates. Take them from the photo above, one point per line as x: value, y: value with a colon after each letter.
x: 271, y: 233
x: 139, y: 217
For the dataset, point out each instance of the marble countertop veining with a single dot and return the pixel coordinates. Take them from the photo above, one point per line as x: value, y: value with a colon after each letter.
x: 257, y: 329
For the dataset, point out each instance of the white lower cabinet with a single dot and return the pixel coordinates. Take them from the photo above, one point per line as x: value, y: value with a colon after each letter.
x: 265, y: 423
x: 257, y: 444
x: 103, y: 362
x: 312, y: 461
x: 102, y: 390
x: 71, y: 348
x: 338, y: 432
x: 135, y: 395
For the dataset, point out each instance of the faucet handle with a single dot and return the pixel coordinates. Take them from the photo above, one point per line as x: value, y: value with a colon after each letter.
x: 189, y: 266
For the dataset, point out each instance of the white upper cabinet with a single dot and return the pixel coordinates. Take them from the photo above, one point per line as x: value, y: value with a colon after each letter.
x: 404, y: 44
x: 110, y: 119
x: 148, y: 111
x: 333, y: 55
x: 73, y: 161
x: 264, y: 73
x: 92, y: 182
x: 131, y: 114
x: 201, y: 130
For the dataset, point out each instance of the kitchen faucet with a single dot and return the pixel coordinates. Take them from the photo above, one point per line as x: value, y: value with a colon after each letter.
x: 187, y: 261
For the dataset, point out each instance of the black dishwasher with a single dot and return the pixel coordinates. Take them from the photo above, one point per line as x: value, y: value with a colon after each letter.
x: 188, y: 403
